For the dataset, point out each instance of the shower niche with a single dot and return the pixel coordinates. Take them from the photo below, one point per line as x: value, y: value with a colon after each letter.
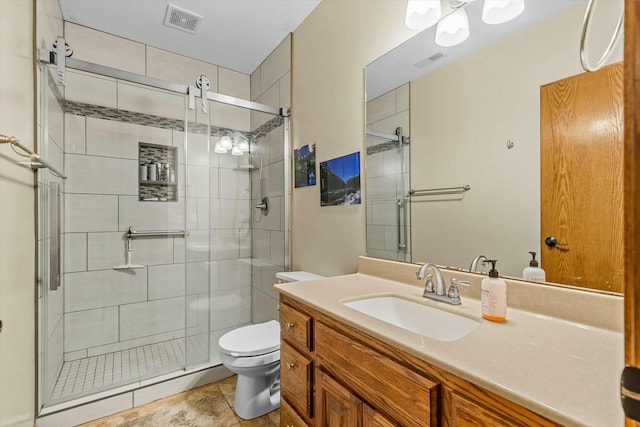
x: 158, y: 177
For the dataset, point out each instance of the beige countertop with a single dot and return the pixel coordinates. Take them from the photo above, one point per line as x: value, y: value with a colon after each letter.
x: 566, y: 371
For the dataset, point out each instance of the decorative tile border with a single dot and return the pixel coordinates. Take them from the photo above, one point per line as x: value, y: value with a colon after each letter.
x: 385, y: 146
x: 108, y: 113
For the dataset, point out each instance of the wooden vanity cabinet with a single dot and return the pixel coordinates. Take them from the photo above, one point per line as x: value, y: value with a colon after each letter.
x: 349, y: 378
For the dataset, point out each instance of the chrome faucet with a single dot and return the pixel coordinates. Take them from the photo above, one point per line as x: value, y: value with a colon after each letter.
x: 440, y: 293
x: 476, y: 260
x: 439, y: 279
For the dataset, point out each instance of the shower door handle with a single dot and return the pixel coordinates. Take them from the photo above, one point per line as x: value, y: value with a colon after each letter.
x: 54, y: 236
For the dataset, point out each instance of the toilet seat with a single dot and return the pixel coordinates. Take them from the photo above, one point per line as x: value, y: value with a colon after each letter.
x: 251, y: 340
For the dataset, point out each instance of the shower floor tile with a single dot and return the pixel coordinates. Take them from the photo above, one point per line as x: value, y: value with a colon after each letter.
x: 97, y: 373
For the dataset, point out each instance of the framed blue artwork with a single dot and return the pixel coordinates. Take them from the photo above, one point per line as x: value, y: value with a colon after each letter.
x: 340, y: 181
x: 305, y: 166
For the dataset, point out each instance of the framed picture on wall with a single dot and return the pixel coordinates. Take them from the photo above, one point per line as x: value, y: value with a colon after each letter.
x: 340, y: 181
x: 305, y: 165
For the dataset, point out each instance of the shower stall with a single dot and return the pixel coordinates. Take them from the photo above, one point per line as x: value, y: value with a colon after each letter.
x: 152, y: 247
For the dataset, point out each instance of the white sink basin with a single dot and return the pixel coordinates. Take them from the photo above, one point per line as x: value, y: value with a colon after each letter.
x: 421, y: 319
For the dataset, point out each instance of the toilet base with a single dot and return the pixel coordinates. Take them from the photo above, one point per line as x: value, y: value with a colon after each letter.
x: 256, y: 396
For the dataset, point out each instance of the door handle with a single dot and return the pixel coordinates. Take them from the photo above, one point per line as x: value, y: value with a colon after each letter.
x: 552, y: 242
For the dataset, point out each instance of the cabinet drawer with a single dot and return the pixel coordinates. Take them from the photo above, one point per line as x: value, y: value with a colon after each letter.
x: 407, y: 397
x: 296, y: 327
x: 296, y: 373
x: 289, y: 417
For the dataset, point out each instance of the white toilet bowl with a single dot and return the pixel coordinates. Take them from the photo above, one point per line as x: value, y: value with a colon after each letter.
x: 253, y: 352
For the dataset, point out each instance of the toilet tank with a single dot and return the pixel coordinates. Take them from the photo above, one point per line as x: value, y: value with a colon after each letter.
x: 296, y: 276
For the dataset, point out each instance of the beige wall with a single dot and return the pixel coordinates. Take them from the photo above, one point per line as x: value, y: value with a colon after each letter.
x: 17, y: 233
x: 330, y: 50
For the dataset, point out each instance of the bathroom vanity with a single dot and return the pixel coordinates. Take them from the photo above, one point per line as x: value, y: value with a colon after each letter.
x: 343, y: 367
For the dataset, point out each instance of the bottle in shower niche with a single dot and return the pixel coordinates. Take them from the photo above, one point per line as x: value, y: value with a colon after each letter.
x: 152, y: 172
x: 493, y: 293
x: 144, y: 172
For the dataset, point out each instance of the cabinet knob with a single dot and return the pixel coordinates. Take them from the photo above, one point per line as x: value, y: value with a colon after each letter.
x: 289, y: 326
x: 290, y: 366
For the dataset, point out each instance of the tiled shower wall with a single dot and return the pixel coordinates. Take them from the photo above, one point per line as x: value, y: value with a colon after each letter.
x: 271, y: 85
x: 106, y: 309
x: 385, y: 175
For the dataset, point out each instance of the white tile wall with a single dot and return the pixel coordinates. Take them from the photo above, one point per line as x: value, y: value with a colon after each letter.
x: 101, y: 175
x: 198, y: 181
x: 235, y: 273
x: 228, y: 213
x: 176, y: 68
x: 229, y: 116
x: 166, y: 281
x: 105, y: 49
x: 274, y: 179
x: 234, y: 184
x: 117, y: 139
x: 264, y: 307
x: 89, y: 212
x: 90, y: 328
x: 375, y: 236
x: 285, y: 90
x: 152, y: 317
x: 134, y: 97
x: 149, y: 215
x: 381, y: 107
x: 225, y: 244
x: 231, y: 307
x: 233, y: 83
x: 261, y: 243
x: 75, y: 252
x: 129, y: 344
x: 90, y: 89
x: 198, y: 280
x: 276, y: 65
x: 198, y: 246
x: 104, y: 288
x: 198, y: 149
x: 74, y: 134
x: 277, y: 247
x: 56, y: 120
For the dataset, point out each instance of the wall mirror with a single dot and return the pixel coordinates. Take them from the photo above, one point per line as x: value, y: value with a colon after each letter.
x: 464, y: 129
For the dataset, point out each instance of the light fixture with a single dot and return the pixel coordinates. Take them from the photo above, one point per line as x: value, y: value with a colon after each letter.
x: 453, y: 29
x: 219, y: 149
x: 501, y: 11
x: 236, y: 151
x: 225, y: 142
x: 422, y: 14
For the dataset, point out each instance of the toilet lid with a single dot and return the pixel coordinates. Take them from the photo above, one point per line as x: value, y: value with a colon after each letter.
x: 252, y: 340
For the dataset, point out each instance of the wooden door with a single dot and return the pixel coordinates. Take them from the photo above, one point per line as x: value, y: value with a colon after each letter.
x: 336, y: 406
x: 581, y: 179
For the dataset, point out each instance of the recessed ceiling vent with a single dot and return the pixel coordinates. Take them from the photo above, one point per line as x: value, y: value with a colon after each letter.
x: 181, y: 19
x: 429, y: 60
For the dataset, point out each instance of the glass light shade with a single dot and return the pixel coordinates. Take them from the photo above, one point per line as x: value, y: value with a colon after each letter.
x: 219, y: 149
x: 453, y: 29
x: 501, y: 11
x: 225, y: 142
x: 243, y: 145
x: 236, y: 151
x: 422, y: 14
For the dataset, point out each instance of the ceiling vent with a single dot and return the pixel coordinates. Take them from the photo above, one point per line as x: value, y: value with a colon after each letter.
x: 429, y: 60
x: 181, y: 19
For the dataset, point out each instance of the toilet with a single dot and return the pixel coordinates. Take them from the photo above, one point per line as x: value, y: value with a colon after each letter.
x: 253, y: 353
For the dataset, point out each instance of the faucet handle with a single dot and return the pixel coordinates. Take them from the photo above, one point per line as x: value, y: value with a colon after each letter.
x: 429, y: 286
x: 453, y: 290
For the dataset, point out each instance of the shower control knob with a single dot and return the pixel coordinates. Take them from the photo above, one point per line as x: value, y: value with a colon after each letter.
x: 552, y: 242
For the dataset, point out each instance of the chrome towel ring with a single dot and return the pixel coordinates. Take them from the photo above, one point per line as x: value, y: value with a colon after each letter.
x: 584, y: 61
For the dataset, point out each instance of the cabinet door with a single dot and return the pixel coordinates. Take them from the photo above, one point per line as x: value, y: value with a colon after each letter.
x: 371, y: 418
x: 335, y: 405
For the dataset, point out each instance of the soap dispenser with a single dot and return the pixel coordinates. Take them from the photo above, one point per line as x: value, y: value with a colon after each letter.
x: 494, y: 295
x: 533, y: 273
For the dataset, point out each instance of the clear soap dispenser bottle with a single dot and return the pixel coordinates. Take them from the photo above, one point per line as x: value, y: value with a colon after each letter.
x: 534, y: 273
x: 493, y: 292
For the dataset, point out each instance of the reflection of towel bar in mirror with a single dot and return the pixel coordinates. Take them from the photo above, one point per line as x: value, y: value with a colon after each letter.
x: 439, y: 191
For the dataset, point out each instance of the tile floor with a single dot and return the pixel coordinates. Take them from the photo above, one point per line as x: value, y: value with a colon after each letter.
x: 92, y: 374
x: 207, y: 406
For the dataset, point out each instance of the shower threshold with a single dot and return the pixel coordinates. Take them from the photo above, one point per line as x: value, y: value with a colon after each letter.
x: 99, y: 373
